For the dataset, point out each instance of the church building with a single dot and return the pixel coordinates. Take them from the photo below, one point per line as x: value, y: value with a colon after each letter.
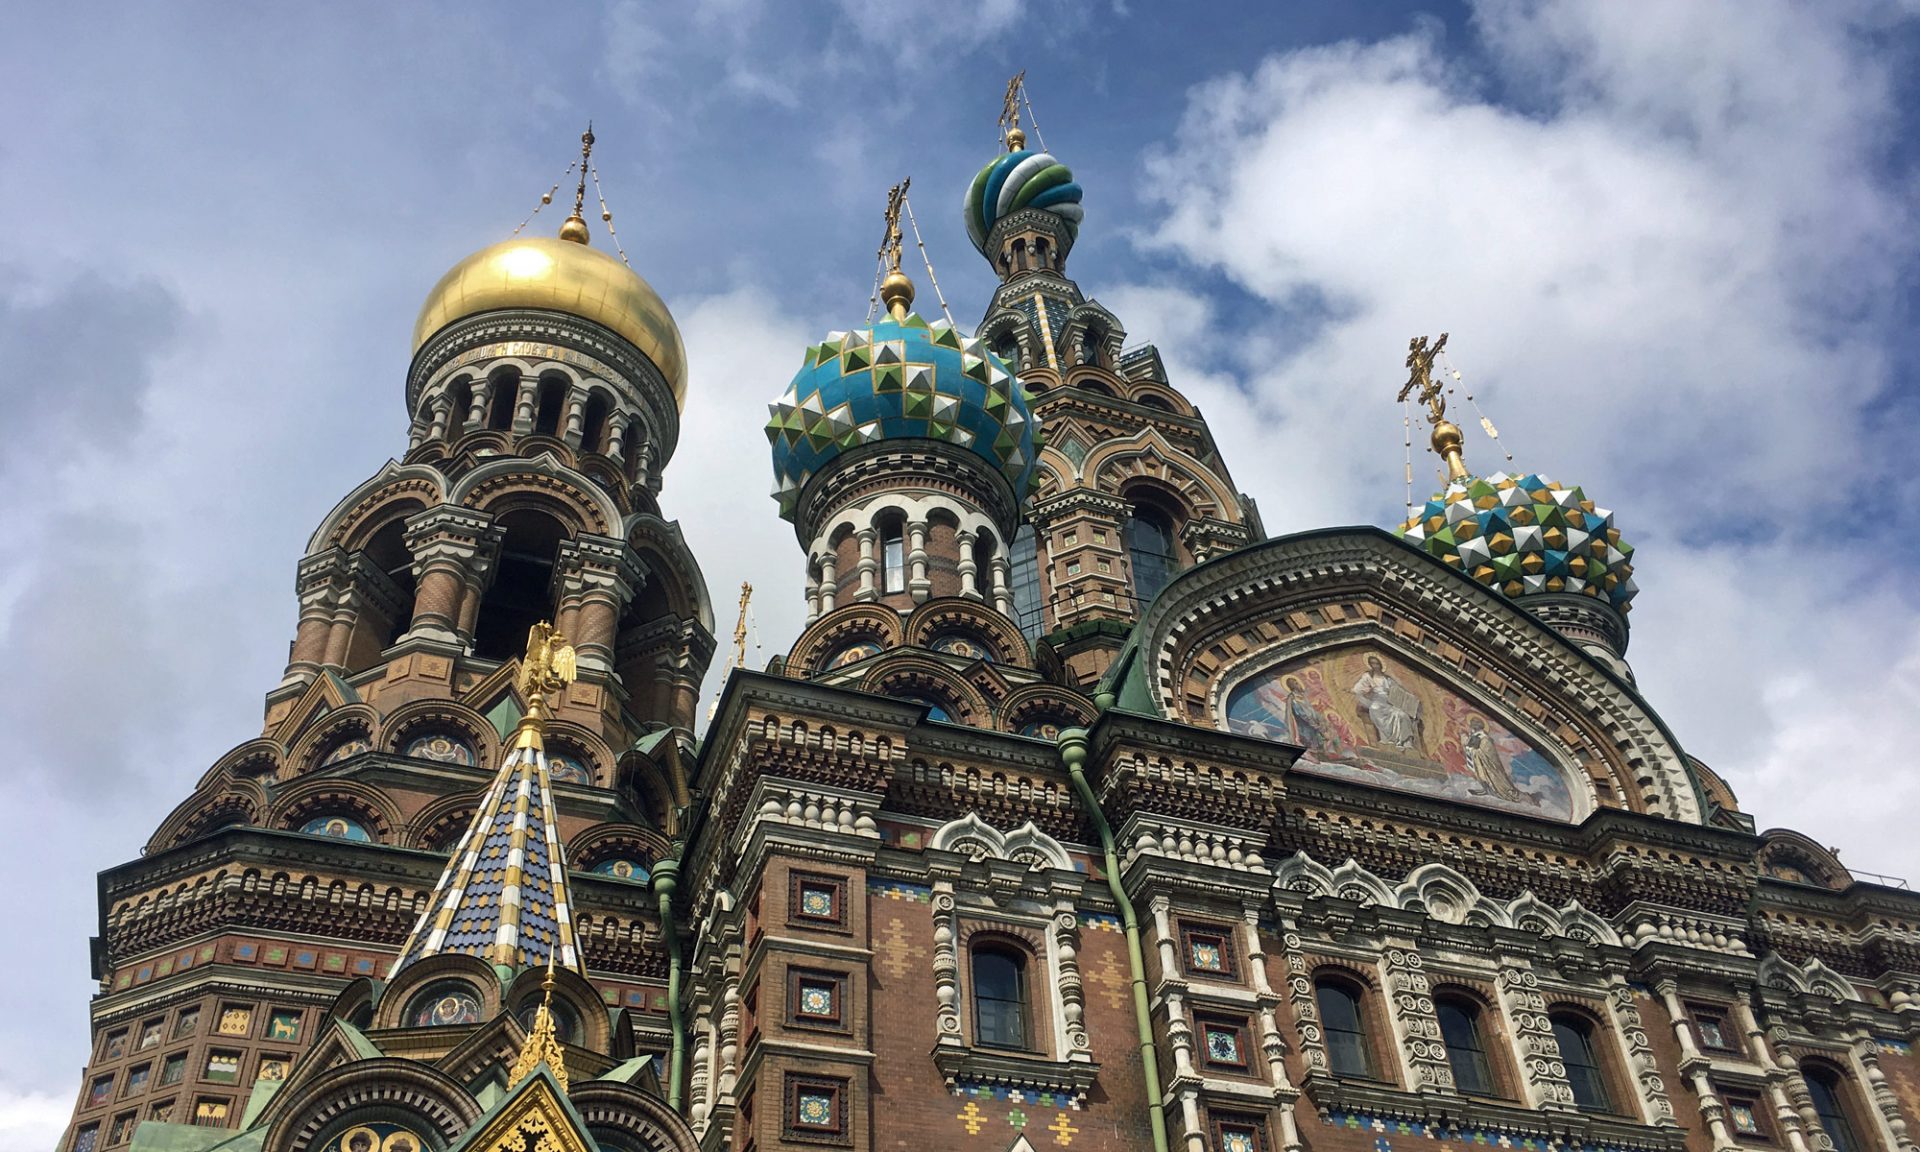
x: 1083, y: 814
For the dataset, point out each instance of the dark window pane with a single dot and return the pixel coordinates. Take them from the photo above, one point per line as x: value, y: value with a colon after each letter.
x: 999, y: 1000
x: 1346, y: 1035
x: 1459, y: 1027
x: 1026, y: 585
x: 893, y: 558
x: 1150, y: 547
x: 1825, y: 1090
x: 1575, y: 1038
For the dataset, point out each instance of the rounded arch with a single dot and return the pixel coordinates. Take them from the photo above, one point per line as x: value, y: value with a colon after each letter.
x: 1148, y: 457
x: 1153, y: 394
x: 323, y: 742
x: 385, y: 1086
x: 828, y: 640
x: 671, y: 566
x: 258, y: 757
x: 603, y: 844
x: 1043, y: 710
x: 623, y: 1118
x: 405, y: 986
x: 439, y: 826
x: 236, y: 803
x: 397, y: 490
x: 328, y: 796
x: 544, y: 482
x: 953, y: 615
x: 1798, y: 859
x: 917, y: 679
x: 424, y: 717
x: 574, y: 992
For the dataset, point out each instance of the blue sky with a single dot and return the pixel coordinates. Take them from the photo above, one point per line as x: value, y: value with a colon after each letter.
x: 1675, y: 246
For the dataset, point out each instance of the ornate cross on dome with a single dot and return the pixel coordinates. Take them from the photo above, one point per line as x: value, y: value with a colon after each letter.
x: 896, y: 291
x: 1010, y: 114
x: 575, y: 226
x: 1447, y: 439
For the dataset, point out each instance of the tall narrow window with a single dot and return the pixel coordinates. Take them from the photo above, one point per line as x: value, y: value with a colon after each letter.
x: 1344, y: 1022
x: 893, y: 558
x: 1150, y: 545
x: 1582, y: 1060
x: 593, y: 424
x: 506, y: 394
x: 1466, y: 1055
x: 999, y: 998
x: 1830, y: 1105
x: 547, y: 414
x: 1026, y: 585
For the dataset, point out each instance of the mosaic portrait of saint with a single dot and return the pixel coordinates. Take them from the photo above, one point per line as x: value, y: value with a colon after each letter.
x: 1362, y: 714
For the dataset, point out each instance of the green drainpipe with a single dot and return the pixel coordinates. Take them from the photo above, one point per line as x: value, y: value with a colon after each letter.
x: 1073, y: 752
x: 666, y: 874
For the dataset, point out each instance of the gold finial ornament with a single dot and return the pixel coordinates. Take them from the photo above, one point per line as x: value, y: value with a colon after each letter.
x: 1447, y: 438
x: 575, y: 226
x: 1010, y: 130
x: 548, y: 667
x: 896, y: 291
x: 543, y: 1043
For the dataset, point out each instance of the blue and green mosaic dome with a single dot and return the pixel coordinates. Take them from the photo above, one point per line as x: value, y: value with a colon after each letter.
x: 900, y: 380
x: 1524, y: 535
x: 1016, y: 180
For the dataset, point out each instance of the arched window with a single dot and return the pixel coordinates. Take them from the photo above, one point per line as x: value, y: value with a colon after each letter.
x: 1580, y: 1054
x: 566, y: 1022
x: 1830, y: 1104
x: 1466, y: 1053
x: 1343, y: 1021
x: 593, y: 424
x: 521, y: 594
x: 338, y: 827
x: 459, y: 407
x: 551, y: 407
x: 1150, y: 546
x: 893, y: 557
x: 999, y: 997
x: 445, y: 1003
x: 506, y: 394
x: 1025, y: 577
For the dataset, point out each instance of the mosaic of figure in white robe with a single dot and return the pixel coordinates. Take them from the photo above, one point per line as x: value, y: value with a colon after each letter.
x: 1390, y: 707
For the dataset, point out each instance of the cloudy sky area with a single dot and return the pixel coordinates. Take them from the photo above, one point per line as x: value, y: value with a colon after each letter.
x: 1675, y: 246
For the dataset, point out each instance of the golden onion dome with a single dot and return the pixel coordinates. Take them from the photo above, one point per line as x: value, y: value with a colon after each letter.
x: 559, y: 275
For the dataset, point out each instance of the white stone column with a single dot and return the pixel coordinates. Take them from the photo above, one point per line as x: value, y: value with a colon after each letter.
x: 617, y: 437
x: 440, y: 405
x: 969, y: 568
x: 1002, y: 581
x: 477, y: 411
x: 523, y: 405
x: 1694, y: 1065
x: 828, y: 588
x: 868, y: 567
x: 1785, y: 1115
x: 576, y: 419
x: 917, y: 582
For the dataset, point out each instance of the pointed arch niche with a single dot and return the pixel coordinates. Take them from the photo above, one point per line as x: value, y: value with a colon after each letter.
x: 1369, y: 712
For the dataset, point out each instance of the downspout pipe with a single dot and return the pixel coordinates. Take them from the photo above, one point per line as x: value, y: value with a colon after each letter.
x: 666, y: 877
x: 1073, y: 753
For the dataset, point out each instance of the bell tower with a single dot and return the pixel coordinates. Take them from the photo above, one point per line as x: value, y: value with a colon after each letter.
x: 1130, y: 487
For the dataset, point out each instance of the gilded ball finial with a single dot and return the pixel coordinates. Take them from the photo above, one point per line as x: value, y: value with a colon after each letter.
x: 575, y: 229
x: 896, y: 292
x: 1016, y: 139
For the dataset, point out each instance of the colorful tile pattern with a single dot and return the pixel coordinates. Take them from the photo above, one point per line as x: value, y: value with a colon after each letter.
x: 503, y: 896
x: 900, y: 380
x: 1524, y: 535
x: 1385, y: 1128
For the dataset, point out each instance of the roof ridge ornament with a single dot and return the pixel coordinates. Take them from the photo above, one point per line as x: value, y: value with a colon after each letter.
x: 542, y: 1045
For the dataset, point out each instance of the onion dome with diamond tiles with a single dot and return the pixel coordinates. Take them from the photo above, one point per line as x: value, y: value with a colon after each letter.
x: 900, y: 379
x: 1021, y: 179
x: 1525, y: 535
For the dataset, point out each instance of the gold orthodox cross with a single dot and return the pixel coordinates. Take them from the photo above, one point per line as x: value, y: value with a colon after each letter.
x: 1010, y: 112
x: 896, y: 196
x: 1420, y: 374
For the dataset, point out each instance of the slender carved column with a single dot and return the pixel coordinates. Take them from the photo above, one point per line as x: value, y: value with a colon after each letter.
x: 813, y: 594
x: 439, y: 426
x: 1002, y: 585
x: 946, y: 967
x: 1185, y: 1081
x: 1073, y: 1004
x: 1866, y: 1055
x: 1695, y: 1065
x: 1306, y: 1011
x: 969, y: 568
x: 576, y: 419
x: 1272, y: 1044
x: 829, y: 581
x: 477, y: 411
x: 1411, y: 997
x: 1640, y: 1060
x: 443, y: 542
x: 523, y: 405
x: 1526, y: 1012
x: 868, y: 567
x: 917, y: 582
x: 616, y: 438
x: 1784, y: 1112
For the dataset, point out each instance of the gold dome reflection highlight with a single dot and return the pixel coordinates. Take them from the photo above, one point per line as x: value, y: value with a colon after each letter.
x: 560, y: 276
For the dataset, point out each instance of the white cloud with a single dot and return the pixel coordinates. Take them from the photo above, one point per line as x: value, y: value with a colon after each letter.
x: 32, y: 1119
x: 1666, y: 278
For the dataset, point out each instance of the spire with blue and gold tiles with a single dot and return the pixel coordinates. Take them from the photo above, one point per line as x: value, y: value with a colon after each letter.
x: 503, y: 896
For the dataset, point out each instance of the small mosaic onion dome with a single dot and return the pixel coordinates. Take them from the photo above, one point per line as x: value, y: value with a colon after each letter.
x: 1525, y: 535
x: 900, y: 379
x: 1021, y: 179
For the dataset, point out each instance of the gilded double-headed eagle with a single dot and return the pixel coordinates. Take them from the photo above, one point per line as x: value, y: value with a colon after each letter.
x: 549, y: 665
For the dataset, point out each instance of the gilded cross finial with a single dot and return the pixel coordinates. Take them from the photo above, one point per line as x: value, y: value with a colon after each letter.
x: 896, y: 291
x: 549, y: 666
x: 575, y: 226
x: 1010, y: 113
x: 1421, y: 385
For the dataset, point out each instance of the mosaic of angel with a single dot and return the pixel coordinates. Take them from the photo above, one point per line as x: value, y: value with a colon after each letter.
x: 1365, y: 716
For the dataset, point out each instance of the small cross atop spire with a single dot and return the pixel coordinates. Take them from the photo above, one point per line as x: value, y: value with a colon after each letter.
x: 1010, y: 130
x: 575, y: 226
x: 896, y: 291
